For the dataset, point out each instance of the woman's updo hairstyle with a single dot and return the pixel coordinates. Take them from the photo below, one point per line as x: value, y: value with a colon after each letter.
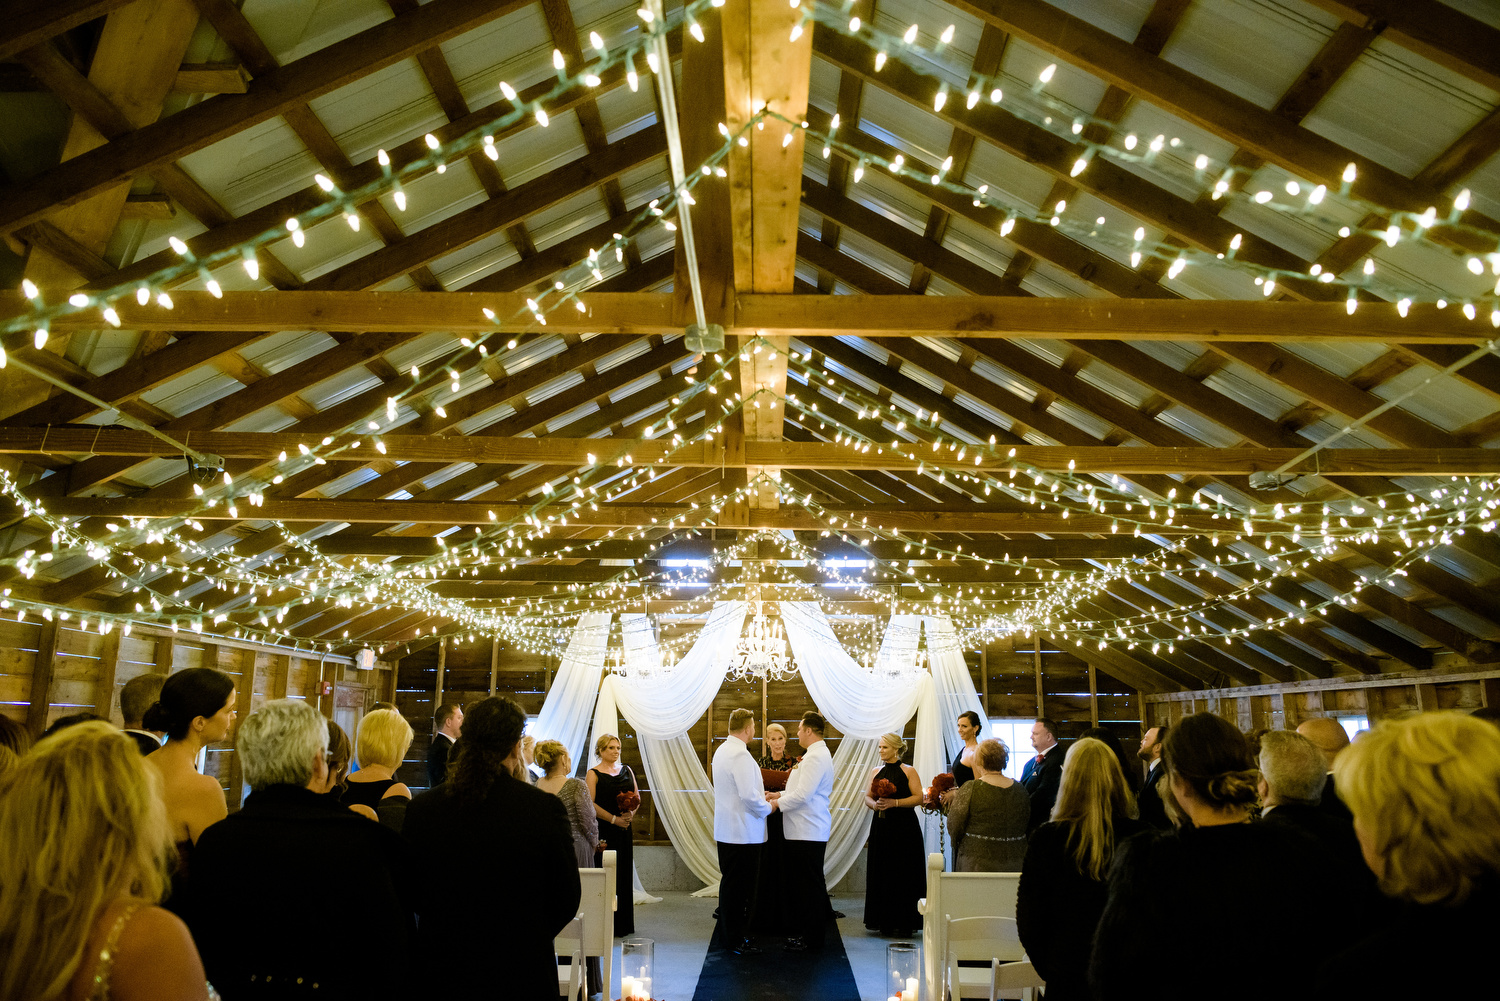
x: 895, y: 742
x: 1214, y: 760
x: 197, y: 691
x: 548, y: 753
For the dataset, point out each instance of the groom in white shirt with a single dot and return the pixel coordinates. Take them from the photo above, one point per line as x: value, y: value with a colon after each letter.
x: 740, y: 811
x: 807, y: 827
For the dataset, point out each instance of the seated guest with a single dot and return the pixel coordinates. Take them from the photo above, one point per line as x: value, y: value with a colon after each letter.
x: 1062, y: 889
x: 1330, y: 737
x: 384, y: 736
x: 72, y: 719
x: 484, y: 812
x: 988, y: 815
x: 84, y: 866
x: 1218, y: 863
x: 557, y: 778
x: 340, y: 755
x: 260, y: 936
x: 15, y: 741
x: 448, y: 720
x: 136, y: 696
x: 196, y: 708
x: 1292, y: 778
x: 1425, y: 794
x: 1130, y: 768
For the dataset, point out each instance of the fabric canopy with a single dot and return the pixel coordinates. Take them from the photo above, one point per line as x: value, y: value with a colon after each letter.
x: 569, y: 704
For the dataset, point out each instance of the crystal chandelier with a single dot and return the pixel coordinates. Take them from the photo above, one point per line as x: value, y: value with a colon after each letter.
x: 762, y: 653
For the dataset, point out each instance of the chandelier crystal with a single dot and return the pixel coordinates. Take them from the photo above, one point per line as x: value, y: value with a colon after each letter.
x: 762, y: 653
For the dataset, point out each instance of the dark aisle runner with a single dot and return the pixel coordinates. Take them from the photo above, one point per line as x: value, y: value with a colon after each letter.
x: 815, y: 975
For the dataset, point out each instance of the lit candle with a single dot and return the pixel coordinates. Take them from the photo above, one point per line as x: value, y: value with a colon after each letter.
x: 910, y: 994
x: 627, y: 988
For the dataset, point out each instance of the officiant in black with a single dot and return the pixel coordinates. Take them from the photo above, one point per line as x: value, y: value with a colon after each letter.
x: 777, y: 757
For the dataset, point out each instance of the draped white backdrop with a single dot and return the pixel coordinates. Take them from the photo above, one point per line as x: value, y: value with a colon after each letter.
x: 662, y: 702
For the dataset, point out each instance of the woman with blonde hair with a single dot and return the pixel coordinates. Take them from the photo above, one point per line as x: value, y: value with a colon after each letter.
x: 1062, y: 890
x: 1217, y: 863
x: 1425, y: 794
x: 383, y: 739
x: 87, y: 853
x: 896, y: 855
x: 552, y: 757
x: 610, y: 779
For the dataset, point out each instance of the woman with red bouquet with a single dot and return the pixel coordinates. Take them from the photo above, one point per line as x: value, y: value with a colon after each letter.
x: 616, y: 798
x: 895, y: 872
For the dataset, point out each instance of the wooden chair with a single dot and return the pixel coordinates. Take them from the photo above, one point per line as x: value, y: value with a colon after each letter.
x: 569, y: 945
x: 995, y: 939
x: 961, y: 895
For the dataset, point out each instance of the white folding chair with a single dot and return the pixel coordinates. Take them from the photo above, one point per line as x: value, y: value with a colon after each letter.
x: 992, y: 939
x: 569, y: 945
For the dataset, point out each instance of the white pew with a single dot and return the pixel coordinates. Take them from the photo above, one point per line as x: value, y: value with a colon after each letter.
x: 958, y: 895
x: 597, y: 909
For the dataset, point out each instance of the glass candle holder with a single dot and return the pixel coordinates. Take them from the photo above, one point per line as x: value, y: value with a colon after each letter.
x: 903, y: 965
x: 635, y: 968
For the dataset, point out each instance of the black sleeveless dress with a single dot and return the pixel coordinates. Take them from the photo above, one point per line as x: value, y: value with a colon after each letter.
x: 607, y: 789
x: 896, y: 867
x: 961, y: 773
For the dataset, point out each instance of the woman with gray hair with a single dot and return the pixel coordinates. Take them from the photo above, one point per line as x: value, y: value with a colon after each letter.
x: 254, y: 866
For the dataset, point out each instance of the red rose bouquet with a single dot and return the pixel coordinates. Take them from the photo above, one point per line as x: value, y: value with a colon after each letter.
x: 773, y: 780
x: 933, y: 803
x: 628, y: 801
x: 882, y: 789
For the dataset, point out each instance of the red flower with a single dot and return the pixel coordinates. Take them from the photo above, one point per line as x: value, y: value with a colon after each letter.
x: 773, y: 780
x: 628, y: 801
x: 940, y: 784
x: 883, y: 789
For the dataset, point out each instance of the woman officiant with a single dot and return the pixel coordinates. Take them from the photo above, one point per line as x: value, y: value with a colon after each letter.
x: 768, y: 887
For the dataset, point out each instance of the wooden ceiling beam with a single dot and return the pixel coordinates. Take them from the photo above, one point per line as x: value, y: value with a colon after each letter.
x: 1431, y: 29
x: 268, y: 96
x: 1206, y: 320
x: 32, y: 22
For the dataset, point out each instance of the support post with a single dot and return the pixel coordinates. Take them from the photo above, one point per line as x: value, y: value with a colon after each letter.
x: 1093, y: 697
x: 437, y: 694
x: 494, y: 663
x: 165, y: 648
x: 104, y: 687
x: 984, y: 680
x: 244, y: 701
x: 1036, y: 661
x: 41, y: 679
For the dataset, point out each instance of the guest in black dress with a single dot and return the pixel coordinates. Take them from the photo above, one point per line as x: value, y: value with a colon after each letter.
x: 381, y: 745
x: 769, y: 895
x: 962, y: 768
x: 1063, y: 888
x: 607, y: 780
x: 896, y: 861
x: 491, y: 935
x: 1425, y: 794
x: 1207, y: 884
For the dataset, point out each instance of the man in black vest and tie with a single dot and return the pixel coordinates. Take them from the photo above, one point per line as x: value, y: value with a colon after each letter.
x: 1149, y: 801
x: 1043, y: 774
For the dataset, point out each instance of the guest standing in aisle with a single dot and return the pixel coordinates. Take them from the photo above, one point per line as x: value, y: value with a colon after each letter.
x: 607, y: 780
x: 740, y: 811
x: 988, y: 816
x: 449, y: 720
x: 808, y: 826
x: 896, y: 858
x: 558, y: 779
x: 1153, y: 813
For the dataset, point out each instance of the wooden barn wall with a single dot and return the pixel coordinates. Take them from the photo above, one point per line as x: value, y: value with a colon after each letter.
x: 1006, y: 674
x: 1385, y: 696
x: 54, y: 669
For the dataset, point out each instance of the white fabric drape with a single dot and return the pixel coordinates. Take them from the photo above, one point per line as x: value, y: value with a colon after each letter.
x: 570, y: 701
x: 954, y: 683
x: 864, y: 704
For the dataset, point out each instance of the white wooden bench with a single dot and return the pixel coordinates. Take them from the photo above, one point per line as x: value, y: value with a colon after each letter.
x: 596, y: 937
x: 958, y: 895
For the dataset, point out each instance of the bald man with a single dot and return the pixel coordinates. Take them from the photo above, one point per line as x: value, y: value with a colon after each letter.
x: 1328, y: 736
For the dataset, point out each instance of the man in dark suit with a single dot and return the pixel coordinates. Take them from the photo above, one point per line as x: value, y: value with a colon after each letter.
x: 139, y: 694
x: 1149, y: 801
x: 512, y: 908
x: 1043, y: 774
x: 448, y: 720
x: 1328, y: 736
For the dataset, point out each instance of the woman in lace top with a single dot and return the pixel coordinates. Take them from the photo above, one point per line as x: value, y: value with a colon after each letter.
x: 85, y: 865
x: 988, y: 816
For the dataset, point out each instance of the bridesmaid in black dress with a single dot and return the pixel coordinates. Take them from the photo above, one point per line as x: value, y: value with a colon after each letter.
x: 896, y: 871
x: 963, y: 765
x: 606, y: 781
